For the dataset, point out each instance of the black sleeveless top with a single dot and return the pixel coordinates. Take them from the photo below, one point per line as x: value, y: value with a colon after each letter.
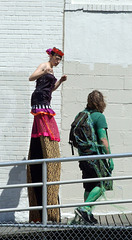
x: 42, y: 93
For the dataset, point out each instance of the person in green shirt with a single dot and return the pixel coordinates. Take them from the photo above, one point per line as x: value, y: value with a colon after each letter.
x: 95, y: 168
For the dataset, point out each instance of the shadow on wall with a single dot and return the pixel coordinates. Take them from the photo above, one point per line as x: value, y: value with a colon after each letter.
x: 10, y: 197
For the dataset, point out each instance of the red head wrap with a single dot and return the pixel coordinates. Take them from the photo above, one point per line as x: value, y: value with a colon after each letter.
x: 58, y: 51
x: 55, y: 50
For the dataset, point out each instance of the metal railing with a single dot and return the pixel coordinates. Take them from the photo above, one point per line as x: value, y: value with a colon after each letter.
x: 44, y: 182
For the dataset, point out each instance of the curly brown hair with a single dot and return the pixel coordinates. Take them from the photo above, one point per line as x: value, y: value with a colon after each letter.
x: 96, y: 101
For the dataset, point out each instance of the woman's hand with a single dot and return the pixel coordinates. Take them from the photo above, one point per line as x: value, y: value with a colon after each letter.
x: 48, y: 70
x: 63, y: 78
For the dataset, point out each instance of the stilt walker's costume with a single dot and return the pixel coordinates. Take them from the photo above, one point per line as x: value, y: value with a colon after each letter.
x: 44, y: 144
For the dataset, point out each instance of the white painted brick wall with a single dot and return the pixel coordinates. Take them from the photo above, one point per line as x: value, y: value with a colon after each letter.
x: 28, y: 28
x: 98, y: 56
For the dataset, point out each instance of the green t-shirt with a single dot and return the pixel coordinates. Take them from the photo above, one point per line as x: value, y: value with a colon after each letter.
x: 99, y: 120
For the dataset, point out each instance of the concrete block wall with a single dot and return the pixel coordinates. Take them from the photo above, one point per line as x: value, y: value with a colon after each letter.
x: 98, y: 57
x: 28, y: 28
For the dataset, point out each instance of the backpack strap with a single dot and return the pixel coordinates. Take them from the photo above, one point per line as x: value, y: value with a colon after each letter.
x: 71, y: 143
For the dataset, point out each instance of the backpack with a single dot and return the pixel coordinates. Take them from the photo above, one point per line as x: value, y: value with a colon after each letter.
x: 82, y: 134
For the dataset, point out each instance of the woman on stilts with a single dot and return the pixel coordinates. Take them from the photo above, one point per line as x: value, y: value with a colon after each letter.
x: 45, y: 136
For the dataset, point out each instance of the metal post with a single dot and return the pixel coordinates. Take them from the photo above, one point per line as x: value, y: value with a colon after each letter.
x: 44, y: 193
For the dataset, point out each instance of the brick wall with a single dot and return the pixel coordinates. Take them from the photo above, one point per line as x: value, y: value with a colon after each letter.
x: 28, y: 28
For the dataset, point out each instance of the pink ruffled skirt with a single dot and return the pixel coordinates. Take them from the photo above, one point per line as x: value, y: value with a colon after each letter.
x: 44, y: 124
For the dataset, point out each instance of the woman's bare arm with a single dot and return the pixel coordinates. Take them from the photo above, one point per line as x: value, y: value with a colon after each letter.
x: 38, y: 72
x: 58, y: 83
